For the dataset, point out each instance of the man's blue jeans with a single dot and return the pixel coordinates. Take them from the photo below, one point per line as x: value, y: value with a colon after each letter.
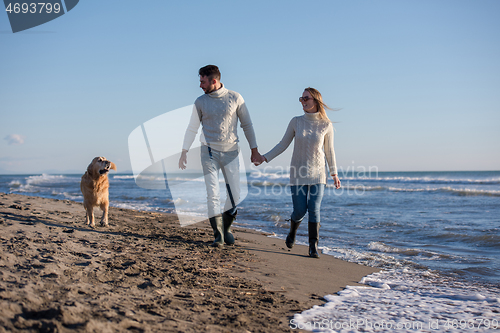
x: 228, y: 162
x: 307, y: 198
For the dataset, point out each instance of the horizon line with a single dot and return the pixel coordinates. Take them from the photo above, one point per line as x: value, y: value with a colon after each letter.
x: 129, y: 172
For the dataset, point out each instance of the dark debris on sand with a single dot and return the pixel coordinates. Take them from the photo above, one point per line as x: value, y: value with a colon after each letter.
x: 142, y: 274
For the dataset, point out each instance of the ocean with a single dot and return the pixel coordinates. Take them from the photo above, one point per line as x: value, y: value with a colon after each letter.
x: 435, y: 235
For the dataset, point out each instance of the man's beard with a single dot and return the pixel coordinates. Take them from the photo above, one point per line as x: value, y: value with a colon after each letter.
x: 209, y: 90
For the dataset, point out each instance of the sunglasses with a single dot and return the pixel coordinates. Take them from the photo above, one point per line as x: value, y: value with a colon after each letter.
x: 304, y: 99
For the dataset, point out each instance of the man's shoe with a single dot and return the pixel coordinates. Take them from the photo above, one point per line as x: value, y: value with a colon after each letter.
x: 217, y: 226
x: 228, y: 220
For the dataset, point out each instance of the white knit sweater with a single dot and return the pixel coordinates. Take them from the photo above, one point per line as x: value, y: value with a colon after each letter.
x: 313, y: 142
x: 219, y: 112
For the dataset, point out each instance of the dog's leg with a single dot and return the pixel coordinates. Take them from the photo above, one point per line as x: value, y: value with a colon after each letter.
x: 86, y: 214
x: 104, y: 220
x: 90, y: 215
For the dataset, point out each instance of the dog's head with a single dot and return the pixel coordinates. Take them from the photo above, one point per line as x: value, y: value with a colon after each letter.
x: 100, y: 166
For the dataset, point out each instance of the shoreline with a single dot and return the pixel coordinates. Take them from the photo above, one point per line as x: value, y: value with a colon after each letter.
x: 148, y: 274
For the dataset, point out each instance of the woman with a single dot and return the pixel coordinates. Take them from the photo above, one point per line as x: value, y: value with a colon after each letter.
x: 313, y: 133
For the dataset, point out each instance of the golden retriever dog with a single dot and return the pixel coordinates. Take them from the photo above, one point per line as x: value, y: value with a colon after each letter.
x: 94, y: 186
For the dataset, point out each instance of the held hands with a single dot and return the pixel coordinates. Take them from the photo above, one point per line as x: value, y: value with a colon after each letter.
x: 257, y: 158
x: 336, y: 181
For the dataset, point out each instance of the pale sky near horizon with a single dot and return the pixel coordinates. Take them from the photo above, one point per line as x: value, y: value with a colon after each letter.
x: 417, y: 82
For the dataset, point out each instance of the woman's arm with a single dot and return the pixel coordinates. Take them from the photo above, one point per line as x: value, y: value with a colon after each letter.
x: 284, y: 143
x: 330, y: 153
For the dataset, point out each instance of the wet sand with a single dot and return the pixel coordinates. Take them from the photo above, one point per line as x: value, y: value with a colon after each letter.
x: 144, y: 273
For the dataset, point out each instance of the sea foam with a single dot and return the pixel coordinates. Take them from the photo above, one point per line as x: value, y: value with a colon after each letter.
x: 404, y: 300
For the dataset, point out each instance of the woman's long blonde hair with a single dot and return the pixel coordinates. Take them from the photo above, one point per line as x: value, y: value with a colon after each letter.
x: 319, y: 102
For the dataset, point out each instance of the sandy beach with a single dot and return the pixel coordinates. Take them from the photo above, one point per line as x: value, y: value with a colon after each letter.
x: 144, y: 273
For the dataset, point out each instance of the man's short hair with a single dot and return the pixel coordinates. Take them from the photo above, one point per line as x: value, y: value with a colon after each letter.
x: 210, y: 71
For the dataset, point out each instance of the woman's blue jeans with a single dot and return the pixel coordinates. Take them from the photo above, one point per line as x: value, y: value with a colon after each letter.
x: 307, y: 198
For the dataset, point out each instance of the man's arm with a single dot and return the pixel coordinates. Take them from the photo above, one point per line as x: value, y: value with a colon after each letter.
x: 192, y: 129
x: 189, y: 136
x: 247, y: 126
x: 246, y: 123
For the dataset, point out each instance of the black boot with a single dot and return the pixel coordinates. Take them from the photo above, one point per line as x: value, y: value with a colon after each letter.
x: 313, y: 239
x: 290, y: 239
x: 217, y: 226
x: 228, y: 220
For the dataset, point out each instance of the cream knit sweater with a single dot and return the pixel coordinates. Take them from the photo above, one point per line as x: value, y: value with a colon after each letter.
x: 219, y: 112
x: 313, y: 142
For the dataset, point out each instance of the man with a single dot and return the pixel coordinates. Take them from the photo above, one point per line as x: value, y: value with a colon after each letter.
x: 218, y: 111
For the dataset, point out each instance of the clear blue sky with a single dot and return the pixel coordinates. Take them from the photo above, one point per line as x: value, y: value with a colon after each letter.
x: 417, y: 82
